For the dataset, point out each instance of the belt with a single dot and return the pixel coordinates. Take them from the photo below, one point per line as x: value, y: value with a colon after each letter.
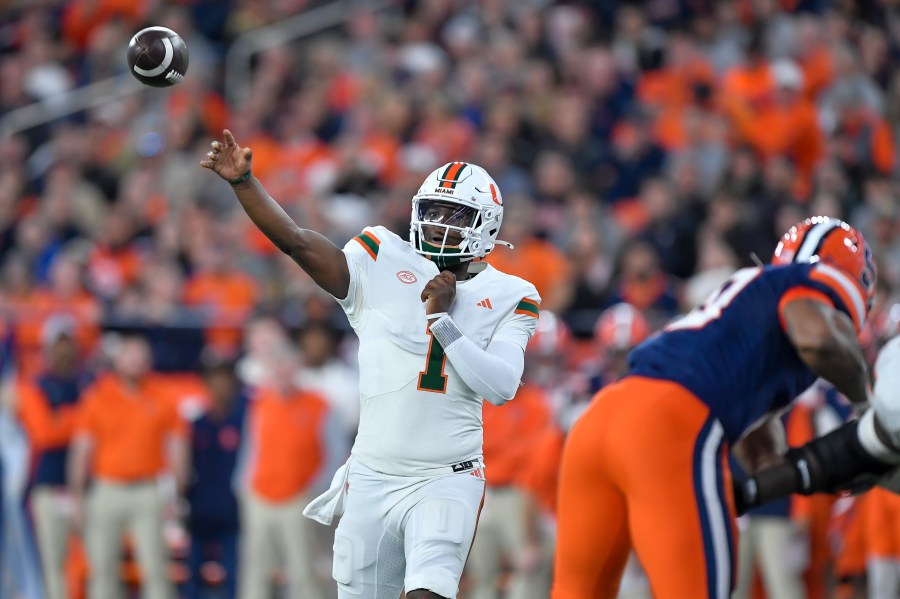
x: 475, y: 467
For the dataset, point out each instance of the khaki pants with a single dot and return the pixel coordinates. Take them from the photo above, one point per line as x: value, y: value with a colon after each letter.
x: 112, y: 509
x: 274, y: 534
x: 777, y: 546
x: 51, y: 508
x: 884, y: 577
x: 500, y: 536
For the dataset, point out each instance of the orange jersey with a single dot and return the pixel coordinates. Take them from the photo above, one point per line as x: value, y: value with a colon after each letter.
x: 540, y: 474
x: 881, y: 521
x: 231, y: 297
x: 536, y: 261
x: 509, y: 434
x: 129, y: 427
x: 289, y: 447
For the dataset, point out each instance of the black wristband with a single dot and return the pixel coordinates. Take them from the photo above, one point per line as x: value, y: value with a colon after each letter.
x: 240, y: 179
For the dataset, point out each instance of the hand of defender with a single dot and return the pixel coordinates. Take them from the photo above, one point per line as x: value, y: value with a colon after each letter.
x: 228, y: 160
x: 439, y: 293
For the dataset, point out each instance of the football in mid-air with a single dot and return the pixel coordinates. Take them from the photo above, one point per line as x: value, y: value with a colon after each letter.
x: 157, y: 57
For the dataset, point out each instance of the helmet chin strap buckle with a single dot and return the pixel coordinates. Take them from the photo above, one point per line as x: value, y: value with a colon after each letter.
x: 505, y: 243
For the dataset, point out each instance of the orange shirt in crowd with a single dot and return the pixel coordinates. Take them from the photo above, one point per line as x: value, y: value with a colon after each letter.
x: 811, y: 511
x: 540, y: 474
x: 673, y: 87
x: 32, y: 313
x: 129, y: 427
x: 81, y: 17
x: 46, y: 429
x: 752, y: 84
x: 881, y: 149
x: 788, y: 130
x: 881, y: 522
x: 231, y: 297
x: 113, y: 269
x: 288, y: 445
x: 509, y: 433
x: 538, y: 262
x: 818, y: 70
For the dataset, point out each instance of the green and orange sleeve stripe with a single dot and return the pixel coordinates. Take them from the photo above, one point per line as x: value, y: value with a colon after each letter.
x: 528, y: 307
x: 369, y: 242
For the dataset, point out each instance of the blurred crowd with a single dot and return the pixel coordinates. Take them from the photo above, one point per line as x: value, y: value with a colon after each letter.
x: 645, y: 151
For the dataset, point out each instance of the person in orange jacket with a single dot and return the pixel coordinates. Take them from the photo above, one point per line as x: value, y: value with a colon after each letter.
x: 292, y: 445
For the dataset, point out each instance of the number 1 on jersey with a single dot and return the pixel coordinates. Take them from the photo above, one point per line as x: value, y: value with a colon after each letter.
x: 433, y: 379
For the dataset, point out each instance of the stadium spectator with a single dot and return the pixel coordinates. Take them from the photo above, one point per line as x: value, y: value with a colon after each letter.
x: 293, y: 445
x: 324, y: 371
x: 128, y: 436
x: 216, y: 439
x: 47, y: 407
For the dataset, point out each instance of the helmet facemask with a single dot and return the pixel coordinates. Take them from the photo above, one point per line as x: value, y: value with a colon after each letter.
x: 448, y: 232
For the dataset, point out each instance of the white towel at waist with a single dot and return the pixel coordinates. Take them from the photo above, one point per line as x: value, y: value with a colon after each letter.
x: 329, y: 504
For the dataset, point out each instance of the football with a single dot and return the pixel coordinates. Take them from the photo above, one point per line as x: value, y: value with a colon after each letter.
x: 157, y: 57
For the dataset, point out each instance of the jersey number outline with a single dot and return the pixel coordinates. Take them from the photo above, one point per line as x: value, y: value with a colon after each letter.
x: 433, y: 379
x: 712, y: 308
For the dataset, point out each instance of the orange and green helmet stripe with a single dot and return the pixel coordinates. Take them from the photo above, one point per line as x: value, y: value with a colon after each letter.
x: 369, y: 242
x: 528, y: 307
x: 451, y: 174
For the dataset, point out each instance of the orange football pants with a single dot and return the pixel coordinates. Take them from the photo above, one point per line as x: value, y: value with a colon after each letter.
x: 646, y: 465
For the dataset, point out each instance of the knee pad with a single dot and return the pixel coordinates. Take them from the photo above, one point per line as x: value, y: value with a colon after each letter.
x: 348, y: 564
x: 374, y: 572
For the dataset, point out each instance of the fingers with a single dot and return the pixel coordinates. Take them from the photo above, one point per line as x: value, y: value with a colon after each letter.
x: 430, y: 287
x: 212, y: 155
x: 445, y: 279
x: 229, y: 138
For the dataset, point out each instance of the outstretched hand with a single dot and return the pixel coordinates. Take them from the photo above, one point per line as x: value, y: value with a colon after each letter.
x: 228, y: 160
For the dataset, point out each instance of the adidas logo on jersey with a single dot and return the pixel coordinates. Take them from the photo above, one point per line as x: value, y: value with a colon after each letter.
x: 485, y: 303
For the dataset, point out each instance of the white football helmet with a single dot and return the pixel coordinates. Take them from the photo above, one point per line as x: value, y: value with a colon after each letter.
x: 456, y: 215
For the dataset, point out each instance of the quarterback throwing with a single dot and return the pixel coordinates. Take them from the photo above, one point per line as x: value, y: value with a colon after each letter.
x: 438, y: 334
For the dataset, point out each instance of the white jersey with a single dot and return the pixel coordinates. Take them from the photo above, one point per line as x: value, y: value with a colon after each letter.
x: 885, y: 397
x: 416, y: 414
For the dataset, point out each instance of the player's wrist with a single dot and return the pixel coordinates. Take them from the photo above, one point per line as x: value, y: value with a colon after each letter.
x: 436, y: 315
x: 241, y: 181
x: 445, y: 331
